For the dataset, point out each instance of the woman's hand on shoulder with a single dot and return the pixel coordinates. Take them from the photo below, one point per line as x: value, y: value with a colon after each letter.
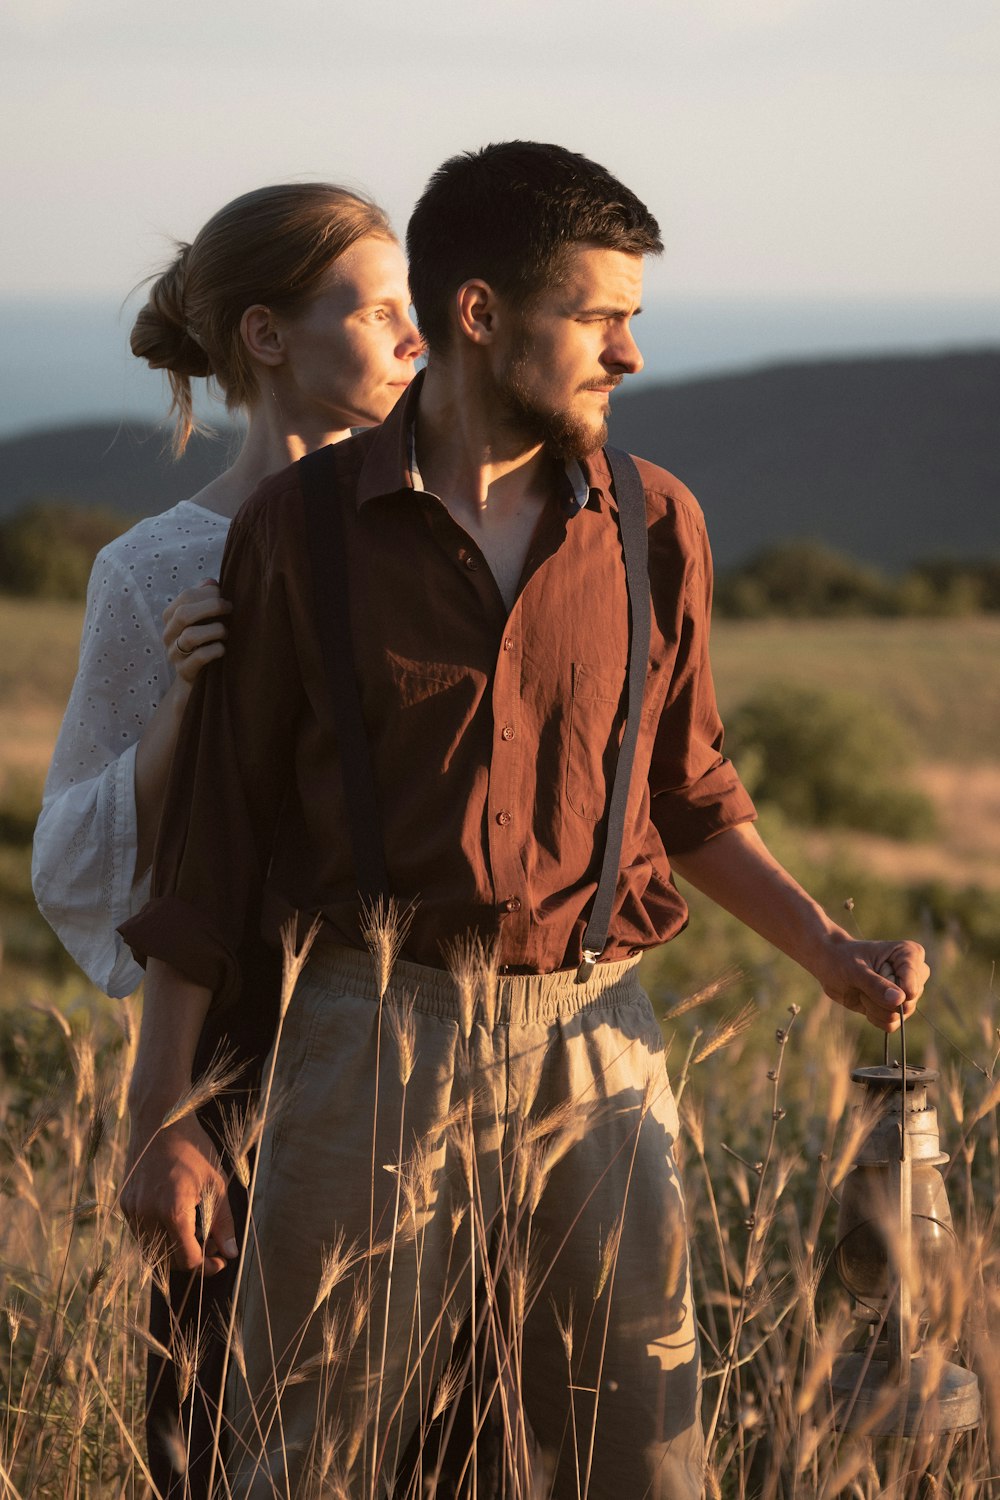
x: 194, y: 629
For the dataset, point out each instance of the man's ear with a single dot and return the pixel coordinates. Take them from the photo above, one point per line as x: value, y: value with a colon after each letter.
x: 476, y: 305
x: 261, y: 335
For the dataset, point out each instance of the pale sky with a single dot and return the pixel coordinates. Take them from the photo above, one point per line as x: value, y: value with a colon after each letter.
x: 788, y: 147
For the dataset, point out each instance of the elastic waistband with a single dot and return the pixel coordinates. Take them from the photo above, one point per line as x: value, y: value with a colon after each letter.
x: 516, y: 998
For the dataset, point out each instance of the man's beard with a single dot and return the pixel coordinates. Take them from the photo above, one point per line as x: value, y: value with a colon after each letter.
x: 566, y: 436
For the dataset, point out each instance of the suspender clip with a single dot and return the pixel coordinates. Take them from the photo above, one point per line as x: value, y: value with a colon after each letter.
x: 590, y: 957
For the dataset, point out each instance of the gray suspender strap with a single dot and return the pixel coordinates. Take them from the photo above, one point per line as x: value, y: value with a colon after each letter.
x: 327, y: 545
x: 635, y: 545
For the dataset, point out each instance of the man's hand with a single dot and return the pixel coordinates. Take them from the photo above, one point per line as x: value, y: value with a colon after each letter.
x: 881, y: 981
x: 170, y: 1175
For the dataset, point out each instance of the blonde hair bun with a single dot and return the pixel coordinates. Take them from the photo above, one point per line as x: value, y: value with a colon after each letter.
x: 161, y: 334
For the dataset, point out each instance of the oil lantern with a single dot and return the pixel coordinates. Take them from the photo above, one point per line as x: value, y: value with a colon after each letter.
x: 894, y: 1232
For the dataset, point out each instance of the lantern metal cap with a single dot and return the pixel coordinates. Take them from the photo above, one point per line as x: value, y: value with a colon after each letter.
x: 885, y: 1078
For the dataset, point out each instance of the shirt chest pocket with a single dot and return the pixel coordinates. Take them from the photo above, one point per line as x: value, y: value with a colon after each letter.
x: 594, y: 731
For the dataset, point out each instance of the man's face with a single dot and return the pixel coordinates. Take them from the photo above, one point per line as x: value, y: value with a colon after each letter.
x: 566, y: 352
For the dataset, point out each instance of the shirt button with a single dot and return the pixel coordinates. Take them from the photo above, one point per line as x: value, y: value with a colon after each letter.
x: 512, y: 904
x: 508, y: 643
x: 503, y: 818
x: 472, y: 563
x: 507, y: 732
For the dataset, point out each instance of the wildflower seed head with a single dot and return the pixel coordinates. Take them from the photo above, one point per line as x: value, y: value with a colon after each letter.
x: 84, y: 1067
x: 236, y: 1125
x: 448, y: 1388
x: 237, y: 1349
x: 100, y: 1121
x: 385, y: 926
x: 454, y: 1323
x: 332, y: 1335
x: 293, y: 958
x: 726, y: 1032
x: 609, y: 1255
x: 187, y: 1357
x: 220, y: 1075
x: 336, y: 1261
x: 710, y: 991
x: 565, y: 1327
x: 97, y: 1276
x: 404, y: 1032
x: 14, y: 1313
x: 693, y: 1120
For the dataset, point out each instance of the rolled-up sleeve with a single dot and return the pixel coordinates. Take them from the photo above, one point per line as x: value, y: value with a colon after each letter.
x: 695, y: 792
x: 228, y: 778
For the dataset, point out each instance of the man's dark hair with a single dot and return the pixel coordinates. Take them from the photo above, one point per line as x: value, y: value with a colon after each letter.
x: 508, y: 214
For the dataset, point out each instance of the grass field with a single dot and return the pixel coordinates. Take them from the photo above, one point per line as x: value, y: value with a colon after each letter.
x: 766, y: 1136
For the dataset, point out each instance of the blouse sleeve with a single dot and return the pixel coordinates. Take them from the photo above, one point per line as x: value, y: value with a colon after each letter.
x: 83, y: 864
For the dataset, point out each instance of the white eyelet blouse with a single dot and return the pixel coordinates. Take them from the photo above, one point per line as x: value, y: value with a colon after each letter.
x: 83, y: 867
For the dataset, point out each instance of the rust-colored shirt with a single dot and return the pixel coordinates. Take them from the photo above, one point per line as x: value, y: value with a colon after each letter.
x: 493, y: 734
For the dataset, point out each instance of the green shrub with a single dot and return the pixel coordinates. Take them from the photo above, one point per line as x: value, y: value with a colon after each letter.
x: 803, y: 579
x: 48, y: 548
x: 827, y: 760
x: 946, y: 586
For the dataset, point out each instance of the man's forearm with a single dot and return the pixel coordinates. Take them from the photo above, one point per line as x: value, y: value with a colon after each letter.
x: 173, y: 1013
x: 738, y: 872
x: 881, y: 980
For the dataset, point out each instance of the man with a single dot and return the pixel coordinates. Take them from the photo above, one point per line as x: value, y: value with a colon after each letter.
x: 499, y: 1154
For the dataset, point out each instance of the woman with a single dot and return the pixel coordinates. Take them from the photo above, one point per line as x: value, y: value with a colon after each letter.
x: 294, y: 300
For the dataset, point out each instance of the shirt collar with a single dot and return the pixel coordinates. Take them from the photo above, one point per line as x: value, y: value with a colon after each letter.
x: 390, y: 464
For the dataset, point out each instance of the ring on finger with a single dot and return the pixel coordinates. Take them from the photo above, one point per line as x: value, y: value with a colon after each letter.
x: 180, y: 648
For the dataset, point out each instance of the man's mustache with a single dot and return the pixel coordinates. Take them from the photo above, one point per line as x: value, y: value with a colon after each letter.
x: 609, y: 382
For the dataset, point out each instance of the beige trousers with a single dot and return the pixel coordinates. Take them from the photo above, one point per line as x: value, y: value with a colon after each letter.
x: 500, y: 1150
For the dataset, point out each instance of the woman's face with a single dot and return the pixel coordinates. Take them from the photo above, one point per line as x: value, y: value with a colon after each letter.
x: 350, y: 347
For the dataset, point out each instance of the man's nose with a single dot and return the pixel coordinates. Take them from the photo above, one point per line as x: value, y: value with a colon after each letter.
x: 623, y: 353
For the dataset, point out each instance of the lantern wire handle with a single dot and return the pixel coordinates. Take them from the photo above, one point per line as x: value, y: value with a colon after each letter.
x: 902, y: 1081
x: 899, y: 1311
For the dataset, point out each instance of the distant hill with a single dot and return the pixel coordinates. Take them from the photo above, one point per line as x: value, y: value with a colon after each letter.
x: 126, y: 466
x: 892, y: 459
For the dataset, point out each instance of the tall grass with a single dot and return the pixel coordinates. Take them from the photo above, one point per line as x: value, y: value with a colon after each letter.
x: 766, y: 1142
